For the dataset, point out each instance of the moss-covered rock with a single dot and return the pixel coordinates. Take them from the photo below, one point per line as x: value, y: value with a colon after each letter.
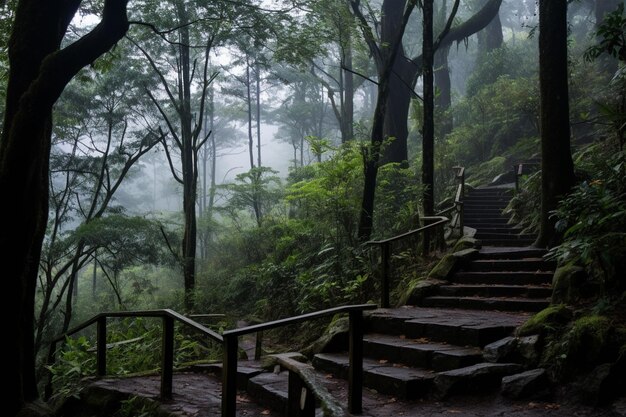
x: 546, y: 320
x: 451, y: 262
x: 334, y: 338
x: 570, y: 284
x: 418, y: 289
x: 589, y: 341
x: 467, y: 243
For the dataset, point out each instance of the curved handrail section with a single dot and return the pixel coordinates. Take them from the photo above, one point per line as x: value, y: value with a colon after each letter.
x: 438, y: 220
x: 229, y: 340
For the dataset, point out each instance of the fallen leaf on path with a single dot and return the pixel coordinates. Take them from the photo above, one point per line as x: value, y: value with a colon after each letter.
x: 265, y: 412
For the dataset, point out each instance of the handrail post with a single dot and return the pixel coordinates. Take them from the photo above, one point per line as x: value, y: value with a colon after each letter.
x: 101, y: 349
x: 167, y: 357
x: 355, y: 371
x: 516, y: 176
x: 385, y: 269
x: 229, y: 376
x: 258, y: 346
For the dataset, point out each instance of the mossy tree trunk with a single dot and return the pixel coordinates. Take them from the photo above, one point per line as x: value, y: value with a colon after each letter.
x: 39, y: 71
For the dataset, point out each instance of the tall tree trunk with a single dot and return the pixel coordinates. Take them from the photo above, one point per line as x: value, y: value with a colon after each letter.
x: 557, y: 168
x: 37, y: 76
x: 347, y: 131
x: 249, y: 103
x: 189, y: 161
x: 428, y: 134
x: 399, y: 96
x: 490, y: 37
x: 443, y: 100
x: 257, y: 81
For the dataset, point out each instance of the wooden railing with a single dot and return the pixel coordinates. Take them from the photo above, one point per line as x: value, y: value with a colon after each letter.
x: 229, y: 339
x: 438, y: 220
x: 355, y: 371
x: 167, y: 347
x: 520, y: 169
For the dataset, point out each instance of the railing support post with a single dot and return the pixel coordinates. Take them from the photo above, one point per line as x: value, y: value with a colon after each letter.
x: 101, y: 350
x: 229, y: 376
x: 515, y: 175
x: 300, y: 402
x: 258, y: 346
x: 385, y: 271
x: 167, y: 357
x: 355, y: 372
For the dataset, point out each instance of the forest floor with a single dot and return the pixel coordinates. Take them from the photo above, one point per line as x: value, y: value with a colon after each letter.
x: 198, y: 394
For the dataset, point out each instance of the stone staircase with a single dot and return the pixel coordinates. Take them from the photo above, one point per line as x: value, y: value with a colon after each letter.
x: 435, y: 349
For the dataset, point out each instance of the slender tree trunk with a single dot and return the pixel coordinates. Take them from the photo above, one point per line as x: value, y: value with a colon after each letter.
x: 428, y: 136
x: 490, y: 37
x: 257, y: 80
x: 347, y: 132
x: 443, y: 101
x: 557, y: 168
x: 249, y: 102
x: 189, y: 161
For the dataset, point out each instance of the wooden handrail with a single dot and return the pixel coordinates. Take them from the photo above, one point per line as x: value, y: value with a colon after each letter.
x: 440, y: 219
x: 167, y: 357
x: 518, y: 171
x: 355, y: 371
x: 231, y: 346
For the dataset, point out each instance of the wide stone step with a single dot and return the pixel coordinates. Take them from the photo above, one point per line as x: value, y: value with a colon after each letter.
x: 507, y: 242
x: 503, y: 277
x: 453, y: 326
x: 481, y: 221
x: 528, y: 264
x: 482, y: 212
x: 420, y: 353
x: 491, y: 303
x: 503, y: 236
x: 383, y: 376
x: 501, y: 229
x: 522, y: 252
x: 486, y: 200
x: 482, y: 290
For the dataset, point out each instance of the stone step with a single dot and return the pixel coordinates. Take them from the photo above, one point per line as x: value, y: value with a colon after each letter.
x: 503, y: 277
x: 482, y: 211
x: 482, y: 290
x: 527, y: 264
x: 502, y: 236
x: 489, y: 191
x: 522, y: 252
x: 420, y: 353
x: 271, y: 390
x: 507, y: 242
x: 385, y: 377
x: 491, y: 303
x: 501, y: 229
x: 486, y: 200
x: 452, y: 326
x: 482, y: 221
x: 476, y: 379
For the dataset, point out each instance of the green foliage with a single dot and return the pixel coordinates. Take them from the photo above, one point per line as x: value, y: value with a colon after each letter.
x: 525, y: 206
x: 138, y: 407
x: 133, y: 346
x: 593, y: 220
x: 74, y: 362
x: 612, y: 36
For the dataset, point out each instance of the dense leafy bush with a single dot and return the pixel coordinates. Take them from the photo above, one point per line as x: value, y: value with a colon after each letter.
x: 593, y: 220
